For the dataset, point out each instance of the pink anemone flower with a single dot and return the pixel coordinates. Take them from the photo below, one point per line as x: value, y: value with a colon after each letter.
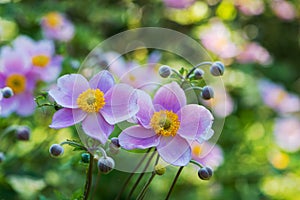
x: 56, y: 26
x: 16, y: 73
x: 45, y: 64
x: 97, y: 104
x: 168, y: 124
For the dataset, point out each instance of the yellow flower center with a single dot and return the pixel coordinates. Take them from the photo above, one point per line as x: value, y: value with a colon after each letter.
x: 165, y: 123
x: 197, y: 150
x: 40, y: 61
x: 17, y: 83
x: 53, y: 19
x: 91, y: 101
x: 280, y: 97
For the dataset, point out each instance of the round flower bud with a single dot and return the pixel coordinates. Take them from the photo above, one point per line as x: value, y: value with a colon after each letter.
x: 23, y: 133
x: 159, y: 169
x: 56, y: 150
x: 205, y: 173
x: 198, y: 73
x: 164, y: 71
x: 114, y: 146
x: 217, y: 68
x: 7, y: 92
x: 85, y: 157
x: 105, y: 165
x: 207, y: 92
x: 2, y: 157
x: 115, y: 141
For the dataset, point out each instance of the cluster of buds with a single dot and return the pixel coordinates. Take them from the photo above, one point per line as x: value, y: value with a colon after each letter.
x: 105, y: 163
x: 196, y: 73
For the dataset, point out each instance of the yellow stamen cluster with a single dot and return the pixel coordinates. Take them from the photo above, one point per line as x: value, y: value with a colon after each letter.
x: 91, y: 101
x: 17, y: 83
x: 53, y: 19
x: 40, y: 61
x: 165, y: 123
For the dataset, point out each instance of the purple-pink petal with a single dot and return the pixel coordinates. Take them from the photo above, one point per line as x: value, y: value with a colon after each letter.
x: 169, y: 97
x: 195, y: 120
x: 2, y: 80
x: 103, y: 81
x: 24, y: 43
x: 66, y: 117
x: 25, y: 109
x: 8, y: 106
x: 120, y: 104
x: 146, y: 109
x: 174, y: 150
x: 11, y: 65
x: 96, y: 127
x: 45, y: 47
x: 31, y: 79
x: 69, y: 87
x: 62, y: 98
x: 138, y: 137
x: 52, y: 71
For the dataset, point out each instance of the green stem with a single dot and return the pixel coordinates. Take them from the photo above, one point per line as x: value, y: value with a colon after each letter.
x: 174, y: 182
x: 198, y: 65
x: 179, y: 75
x: 145, y: 188
x: 196, y: 163
x: 141, y: 176
x: 74, y: 144
x: 131, y: 174
x: 193, y: 88
x: 89, y: 177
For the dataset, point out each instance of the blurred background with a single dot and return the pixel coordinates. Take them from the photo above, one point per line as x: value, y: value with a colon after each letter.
x: 257, y: 40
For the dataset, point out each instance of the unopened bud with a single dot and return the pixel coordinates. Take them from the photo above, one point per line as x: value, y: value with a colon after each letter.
x: 23, y: 133
x: 198, y: 73
x: 56, y: 150
x: 205, y: 173
x: 217, y: 68
x: 164, y: 71
x: 85, y: 157
x: 7, y: 92
x: 207, y: 93
x: 106, y: 165
x: 159, y: 169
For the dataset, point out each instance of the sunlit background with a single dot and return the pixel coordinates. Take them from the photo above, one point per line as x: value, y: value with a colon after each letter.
x: 257, y: 156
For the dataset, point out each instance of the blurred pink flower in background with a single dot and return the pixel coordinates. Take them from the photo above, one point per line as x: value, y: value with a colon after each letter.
x: 254, y: 53
x: 287, y: 133
x: 222, y: 104
x: 250, y: 7
x: 180, y: 4
x: 283, y: 9
x: 277, y: 98
x: 56, y: 26
x: 145, y: 77
x: 207, y: 154
x: 15, y: 72
x: 45, y: 64
x: 217, y: 38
